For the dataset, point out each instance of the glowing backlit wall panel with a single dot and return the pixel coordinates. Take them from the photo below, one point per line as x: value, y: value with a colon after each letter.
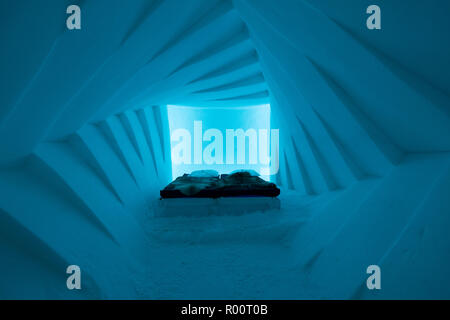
x: 208, y: 138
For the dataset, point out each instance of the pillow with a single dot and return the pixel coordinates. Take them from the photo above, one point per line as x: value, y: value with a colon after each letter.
x: 204, y: 173
x: 252, y: 173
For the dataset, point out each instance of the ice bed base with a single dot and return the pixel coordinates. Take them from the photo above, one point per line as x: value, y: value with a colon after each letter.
x: 195, y: 207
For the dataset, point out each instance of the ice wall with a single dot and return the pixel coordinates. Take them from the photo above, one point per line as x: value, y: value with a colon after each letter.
x: 220, y: 156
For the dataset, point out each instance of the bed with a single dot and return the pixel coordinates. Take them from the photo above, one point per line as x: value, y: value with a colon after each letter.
x: 205, y: 192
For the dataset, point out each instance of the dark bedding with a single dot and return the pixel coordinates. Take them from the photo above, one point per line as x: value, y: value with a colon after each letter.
x: 238, y: 184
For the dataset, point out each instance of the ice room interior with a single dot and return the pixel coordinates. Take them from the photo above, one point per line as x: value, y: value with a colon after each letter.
x: 348, y: 129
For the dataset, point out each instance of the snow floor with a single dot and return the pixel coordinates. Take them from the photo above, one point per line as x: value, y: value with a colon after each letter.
x: 229, y: 257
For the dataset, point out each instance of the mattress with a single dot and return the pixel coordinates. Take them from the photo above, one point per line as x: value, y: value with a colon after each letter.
x: 206, y: 184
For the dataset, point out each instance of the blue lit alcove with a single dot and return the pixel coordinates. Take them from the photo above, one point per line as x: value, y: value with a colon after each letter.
x: 254, y: 118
